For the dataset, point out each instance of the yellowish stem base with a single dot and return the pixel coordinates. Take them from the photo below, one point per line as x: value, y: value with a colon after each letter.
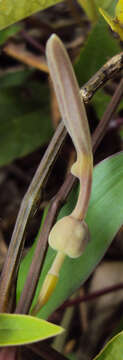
x: 49, y: 284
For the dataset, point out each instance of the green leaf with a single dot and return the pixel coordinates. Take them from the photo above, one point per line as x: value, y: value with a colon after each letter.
x: 106, y: 4
x: 26, y: 262
x: 24, y: 121
x: 5, y: 34
x: 13, y: 11
x: 23, y: 329
x: 28, y: 258
x: 99, y: 48
x: 113, y: 350
x: 103, y: 3
x: 72, y: 356
x: 100, y: 102
x: 14, y: 78
x: 104, y: 218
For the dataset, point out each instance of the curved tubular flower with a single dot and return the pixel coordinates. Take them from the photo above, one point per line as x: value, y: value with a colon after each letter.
x: 115, y: 23
x: 70, y: 234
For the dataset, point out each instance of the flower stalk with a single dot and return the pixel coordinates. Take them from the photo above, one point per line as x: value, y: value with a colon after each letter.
x: 70, y: 234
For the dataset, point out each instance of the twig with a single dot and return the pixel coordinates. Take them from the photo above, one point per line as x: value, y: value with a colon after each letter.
x: 102, y: 127
x: 59, y: 341
x: 92, y: 296
x: 33, y: 195
x: 107, y: 72
x: 26, y: 57
x: 32, y: 41
x: 35, y: 268
x: 38, y: 258
x: 28, y: 208
x: 46, y: 352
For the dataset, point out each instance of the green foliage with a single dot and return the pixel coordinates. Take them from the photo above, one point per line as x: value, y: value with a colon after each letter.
x: 100, y: 102
x: 72, y: 356
x: 113, y: 350
x: 106, y: 4
x: 13, y: 11
x: 103, y: 3
x: 23, y: 329
x: 25, y: 120
x: 104, y: 218
x: 7, y: 33
x: 24, y: 125
x: 99, y: 48
x: 14, y: 78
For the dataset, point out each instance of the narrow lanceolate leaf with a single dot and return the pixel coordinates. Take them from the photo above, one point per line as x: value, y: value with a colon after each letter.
x: 24, y: 329
x: 104, y: 218
x: 12, y: 11
x: 113, y: 350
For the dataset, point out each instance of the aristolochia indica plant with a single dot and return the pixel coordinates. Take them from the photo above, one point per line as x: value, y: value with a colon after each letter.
x: 70, y: 234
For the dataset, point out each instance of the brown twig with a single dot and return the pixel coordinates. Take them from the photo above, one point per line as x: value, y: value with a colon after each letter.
x: 102, y: 127
x: 26, y: 57
x: 33, y: 195
x: 38, y: 258
x: 29, y: 39
x: 46, y: 352
x: 92, y: 296
x: 35, y: 268
x: 28, y: 207
x: 107, y: 72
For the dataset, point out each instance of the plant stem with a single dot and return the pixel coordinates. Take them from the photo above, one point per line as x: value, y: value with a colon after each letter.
x: 33, y: 196
x: 28, y: 208
x: 105, y: 73
x: 59, y: 341
x: 8, y: 353
x: 52, y: 276
x: 92, y: 296
x: 102, y: 127
x: 46, y: 352
x: 26, y: 57
x: 33, y: 275
x: 38, y: 258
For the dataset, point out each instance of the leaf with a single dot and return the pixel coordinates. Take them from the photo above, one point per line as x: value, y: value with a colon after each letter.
x: 94, y: 55
x: 107, y: 5
x: 100, y: 102
x: 116, y: 23
x: 90, y: 9
x: 103, y: 3
x: 24, y: 329
x: 72, y: 356
x: 13, y: 11
x: 5, y: 34
x: 24, y: 121
x: 119, y: 11
x: 113, y: 22
x: 113, y: 350
x: 26, y: 262
x: 28, y: 258
x: 14, y: 78
x: 104, y: 218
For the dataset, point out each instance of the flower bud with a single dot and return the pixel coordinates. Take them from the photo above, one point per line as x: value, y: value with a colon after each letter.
x: 70, y: 236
